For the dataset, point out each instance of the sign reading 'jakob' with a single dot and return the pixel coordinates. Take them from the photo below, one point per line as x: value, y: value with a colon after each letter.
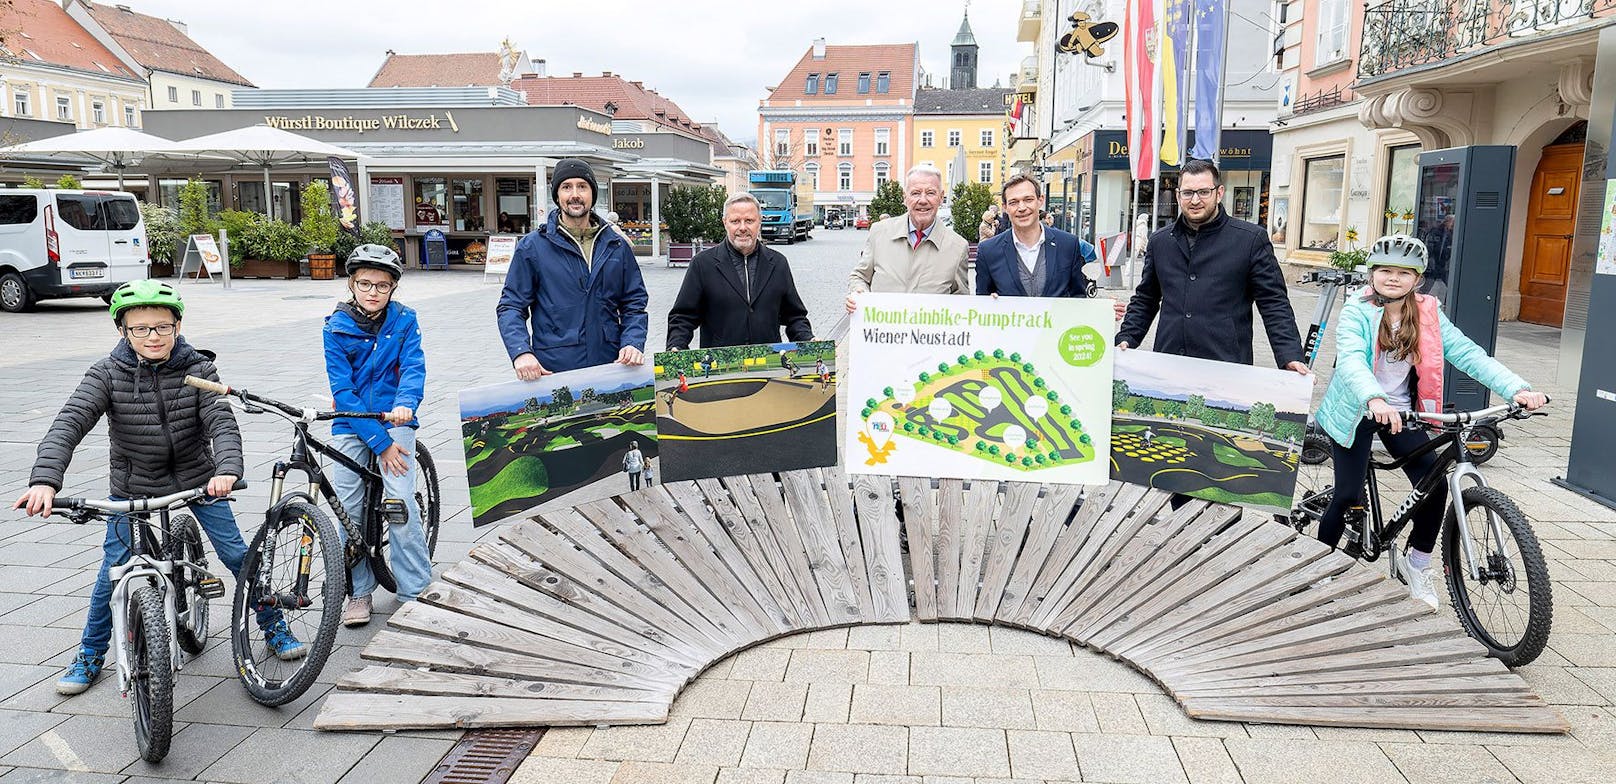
x: 1013, y: 388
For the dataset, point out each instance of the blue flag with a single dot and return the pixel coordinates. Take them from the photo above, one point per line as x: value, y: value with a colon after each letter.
x: 1212, y: 30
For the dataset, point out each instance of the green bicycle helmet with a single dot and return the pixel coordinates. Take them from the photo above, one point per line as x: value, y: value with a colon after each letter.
x: 1398, y: 250
x: 146, y: 293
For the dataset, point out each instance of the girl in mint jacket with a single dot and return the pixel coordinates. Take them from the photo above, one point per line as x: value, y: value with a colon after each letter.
x: 1391, y: 344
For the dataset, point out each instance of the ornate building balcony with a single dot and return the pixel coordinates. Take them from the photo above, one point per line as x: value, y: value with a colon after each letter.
x: 1403, y: 34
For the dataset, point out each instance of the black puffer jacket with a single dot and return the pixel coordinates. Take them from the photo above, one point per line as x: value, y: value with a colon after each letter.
x: 165, y: 436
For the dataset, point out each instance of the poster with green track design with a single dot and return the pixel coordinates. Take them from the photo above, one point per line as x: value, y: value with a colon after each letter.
x: 1014, y: 388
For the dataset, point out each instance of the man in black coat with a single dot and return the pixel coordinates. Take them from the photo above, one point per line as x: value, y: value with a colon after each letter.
x: 1202, y: 275
x: 739, y: 293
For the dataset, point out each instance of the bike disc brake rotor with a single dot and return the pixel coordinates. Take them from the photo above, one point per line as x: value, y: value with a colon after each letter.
x: 1501, y: 571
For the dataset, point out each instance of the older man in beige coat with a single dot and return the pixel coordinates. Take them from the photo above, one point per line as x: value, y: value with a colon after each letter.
x: 913, y: 253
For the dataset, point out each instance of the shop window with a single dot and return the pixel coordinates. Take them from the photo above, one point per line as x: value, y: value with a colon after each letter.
x: 883, y: 141
x: 431, y: 201
x: 844, y: 177
x: 468, y: 205
x: 168, y: 191
x: 515, y: 204
x: 250, y: 197
x: 1402, y: 182
x: 926, y: 138
x: 1322, y: 187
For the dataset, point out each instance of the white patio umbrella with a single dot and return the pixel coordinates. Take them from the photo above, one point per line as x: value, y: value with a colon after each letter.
x: 118, y: 148
x: 261, y: 145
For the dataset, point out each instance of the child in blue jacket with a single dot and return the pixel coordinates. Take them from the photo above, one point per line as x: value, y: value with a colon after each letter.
x: 374, y: 361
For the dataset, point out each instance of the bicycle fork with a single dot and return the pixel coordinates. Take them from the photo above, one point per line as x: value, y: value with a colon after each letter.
x: 126, y: 578
x: 1474, y: 568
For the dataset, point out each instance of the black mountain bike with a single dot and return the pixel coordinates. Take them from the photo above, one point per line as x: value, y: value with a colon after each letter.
x: 297, y: 561
x: 159, y: 603
x: 1495, y: 571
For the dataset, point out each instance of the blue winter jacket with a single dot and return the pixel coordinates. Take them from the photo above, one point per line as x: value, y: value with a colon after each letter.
x: 374, y: 374
x: 1353, y: 384
x: 580, y: 315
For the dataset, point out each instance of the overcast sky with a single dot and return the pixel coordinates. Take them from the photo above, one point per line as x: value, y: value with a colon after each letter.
x: 713, y: 57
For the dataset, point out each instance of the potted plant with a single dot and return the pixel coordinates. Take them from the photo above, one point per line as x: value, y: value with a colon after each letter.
x: 1350, y: 259
x: 271, y: 249
x: 236, y: 225
x: 319, y: 229
x: 162, y: 237
x: 683, y: 212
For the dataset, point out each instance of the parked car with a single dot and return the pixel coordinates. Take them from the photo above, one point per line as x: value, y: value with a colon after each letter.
x: 61, y: 243
x: 835, y: 222
x: 861, y: 222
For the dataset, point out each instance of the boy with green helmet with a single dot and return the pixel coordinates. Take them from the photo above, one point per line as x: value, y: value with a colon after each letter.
x: 163, y: 437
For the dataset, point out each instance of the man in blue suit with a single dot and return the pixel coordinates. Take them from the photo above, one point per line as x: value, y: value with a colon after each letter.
x: 1032, y: 260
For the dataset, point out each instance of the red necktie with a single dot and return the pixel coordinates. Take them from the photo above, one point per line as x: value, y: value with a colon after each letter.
x: 916, y: 245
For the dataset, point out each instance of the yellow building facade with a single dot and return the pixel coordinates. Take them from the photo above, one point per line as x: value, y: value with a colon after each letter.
x: 963, y: 133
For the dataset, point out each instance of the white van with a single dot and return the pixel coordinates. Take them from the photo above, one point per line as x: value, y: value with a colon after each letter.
x: 56, y: 243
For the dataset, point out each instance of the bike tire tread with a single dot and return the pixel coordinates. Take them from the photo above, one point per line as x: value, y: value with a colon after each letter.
x: 159, y: 680
x: 331, y: 554
x: 1539, y: 591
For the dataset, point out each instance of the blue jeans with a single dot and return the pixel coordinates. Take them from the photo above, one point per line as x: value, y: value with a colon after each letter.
x: 220, y: 525
x: 407, y: 555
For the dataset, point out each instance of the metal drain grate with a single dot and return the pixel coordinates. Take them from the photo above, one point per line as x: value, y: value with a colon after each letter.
x: 485, y: 757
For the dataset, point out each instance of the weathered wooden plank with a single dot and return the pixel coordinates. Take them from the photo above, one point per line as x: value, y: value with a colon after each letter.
x: 514, y: 555
x: 1405, y: 633
x: 432, y: 621
x: 810, y: 512
x: 356, y: 711
x: 1545, y: 720
x: 1444, y: 649
x: 1374, y: 678
x: 1050, y: 513
x: 760, y: 549
x: 950, y: 521
x: 1103, y: 586
x: 1415, y: 698
x: 625, y: 532
x: 395, y: 680
x: 1115, y: 530
x: 981, y: 507
x: 920, y: 523
x: 732, y: 557
x: 1158, y: 572
x: 1069, y: 541
x: 1009, y: 530
x: 690, y: 548
x: 838, y: 494
x: 416, y: 650
x: 878, y: 524
x: 765, y: 495
x: 1468, y: 685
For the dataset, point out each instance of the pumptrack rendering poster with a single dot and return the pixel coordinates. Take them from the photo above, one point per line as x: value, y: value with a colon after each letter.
x: 1014, y: 388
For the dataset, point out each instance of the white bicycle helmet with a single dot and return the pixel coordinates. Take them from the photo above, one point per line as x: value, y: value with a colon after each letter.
x: 1398, y: 250
x: 375, y: 257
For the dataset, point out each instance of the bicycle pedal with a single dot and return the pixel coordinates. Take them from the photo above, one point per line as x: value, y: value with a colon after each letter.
x: 394, y: 511
x: 210, y: 587
x: 1352, y: 550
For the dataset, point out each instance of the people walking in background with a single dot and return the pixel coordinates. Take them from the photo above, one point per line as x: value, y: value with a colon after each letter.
x: 633, y: 464
x: 650, y: 476
x: 989, y: 225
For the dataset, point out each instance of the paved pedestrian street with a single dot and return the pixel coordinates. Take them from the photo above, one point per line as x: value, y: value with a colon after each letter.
x: 918, y: 703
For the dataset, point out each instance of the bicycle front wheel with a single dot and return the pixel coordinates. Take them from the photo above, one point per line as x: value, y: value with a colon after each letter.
x: 152, y: 666
x: 1508, y: 609
x: 293, y: 570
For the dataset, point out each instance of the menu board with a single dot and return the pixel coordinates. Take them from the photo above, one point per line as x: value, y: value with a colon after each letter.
x: 387, y: 201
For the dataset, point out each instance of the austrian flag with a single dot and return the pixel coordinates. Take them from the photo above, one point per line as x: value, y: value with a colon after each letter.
x: 1141, y: 70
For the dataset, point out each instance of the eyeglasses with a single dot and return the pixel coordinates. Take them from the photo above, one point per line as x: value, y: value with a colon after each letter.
x: 143, y: 331
x: 1197, y: 195
x: 379, y: 286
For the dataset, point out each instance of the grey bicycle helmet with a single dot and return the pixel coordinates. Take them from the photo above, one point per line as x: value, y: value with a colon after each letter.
x: 1398, y: 250
x: 375, y: 257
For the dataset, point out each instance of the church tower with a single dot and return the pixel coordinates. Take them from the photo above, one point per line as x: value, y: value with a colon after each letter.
x: 962, y: 75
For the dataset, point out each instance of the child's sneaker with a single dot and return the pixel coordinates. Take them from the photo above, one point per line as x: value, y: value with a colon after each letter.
x: 86, y: 667
x: 282, y: 643
x: 1421, y: 582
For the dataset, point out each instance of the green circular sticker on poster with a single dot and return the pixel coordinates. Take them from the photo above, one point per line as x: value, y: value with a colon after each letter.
x: 1081, y: 346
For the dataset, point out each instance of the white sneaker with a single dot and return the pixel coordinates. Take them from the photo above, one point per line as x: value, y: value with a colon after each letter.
x: 1421, y: 582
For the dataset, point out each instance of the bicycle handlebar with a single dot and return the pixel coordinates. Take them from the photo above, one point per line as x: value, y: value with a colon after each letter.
x: 63, y: 505
x: 1510, y: 410
x: 290, y: 412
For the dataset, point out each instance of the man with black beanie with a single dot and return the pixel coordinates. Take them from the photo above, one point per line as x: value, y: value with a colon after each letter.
x: 573, y: 297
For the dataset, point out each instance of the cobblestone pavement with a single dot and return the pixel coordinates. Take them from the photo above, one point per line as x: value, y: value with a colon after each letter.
x: 942, y: 703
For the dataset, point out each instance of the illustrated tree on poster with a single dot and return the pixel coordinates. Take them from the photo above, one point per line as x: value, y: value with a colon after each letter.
x: 1119, y: 395
x: 1195, y: 407
x: 1261, y: 417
